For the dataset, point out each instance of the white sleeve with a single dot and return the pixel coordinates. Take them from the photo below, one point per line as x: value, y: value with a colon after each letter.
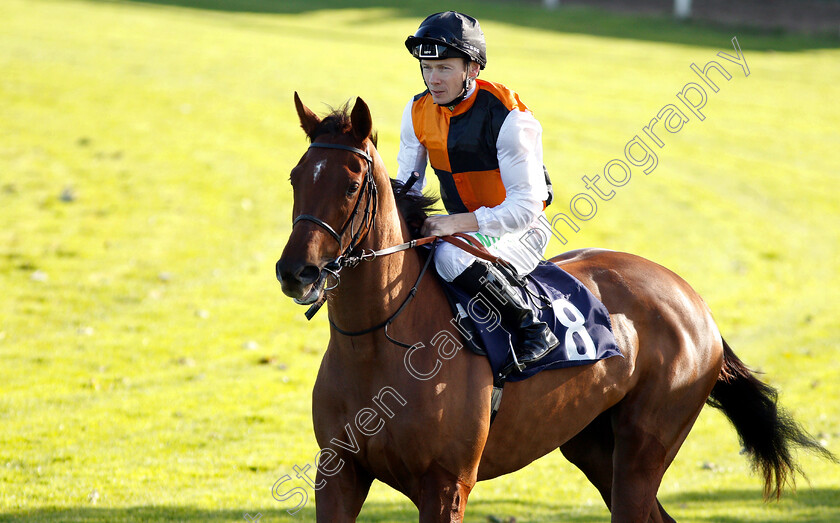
x: 519, y: 149
x: 412, y: 155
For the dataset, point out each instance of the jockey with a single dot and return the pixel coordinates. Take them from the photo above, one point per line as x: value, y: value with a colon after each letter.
x: 485, y: 147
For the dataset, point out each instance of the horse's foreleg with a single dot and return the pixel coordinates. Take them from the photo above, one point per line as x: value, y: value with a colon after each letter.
x: 659, y: 514
x: 340, y: 496
x: 442, y: 497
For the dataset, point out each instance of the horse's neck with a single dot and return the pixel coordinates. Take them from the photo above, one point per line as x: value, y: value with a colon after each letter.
x: 373, y: 290
x: 372, y: 293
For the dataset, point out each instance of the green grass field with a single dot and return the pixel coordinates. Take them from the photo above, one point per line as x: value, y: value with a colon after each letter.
x: 150, y: 367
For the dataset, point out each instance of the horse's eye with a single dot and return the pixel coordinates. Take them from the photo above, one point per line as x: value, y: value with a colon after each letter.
x: 353, y: 188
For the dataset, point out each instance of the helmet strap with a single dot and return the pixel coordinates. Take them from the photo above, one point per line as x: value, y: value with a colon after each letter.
x: 466, y: 89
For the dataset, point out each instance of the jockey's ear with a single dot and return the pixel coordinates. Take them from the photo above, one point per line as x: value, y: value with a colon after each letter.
x: 360, y: 120
x: 308, y: 119
x: 472, y: 70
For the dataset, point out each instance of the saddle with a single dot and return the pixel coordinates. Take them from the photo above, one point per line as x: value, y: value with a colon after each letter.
x: 578, y: 319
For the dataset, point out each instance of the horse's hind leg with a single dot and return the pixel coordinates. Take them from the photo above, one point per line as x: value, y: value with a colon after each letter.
x: 639, y: 464
x: 649, y: 426
x: 591, y: 451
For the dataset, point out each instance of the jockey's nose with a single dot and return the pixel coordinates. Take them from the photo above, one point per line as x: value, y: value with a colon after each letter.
x: 294, y: 276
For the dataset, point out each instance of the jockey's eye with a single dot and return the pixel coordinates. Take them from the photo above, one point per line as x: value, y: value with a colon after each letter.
x: 353, y: 188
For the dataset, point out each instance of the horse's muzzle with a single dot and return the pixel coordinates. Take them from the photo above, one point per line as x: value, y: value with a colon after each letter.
x: 298, y: 280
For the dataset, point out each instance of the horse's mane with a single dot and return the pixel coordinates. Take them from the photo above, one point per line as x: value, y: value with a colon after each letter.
x: 413, y: 206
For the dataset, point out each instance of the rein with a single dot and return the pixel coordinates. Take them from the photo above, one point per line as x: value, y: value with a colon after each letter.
x: 334, y: 267
x: 393, y: 317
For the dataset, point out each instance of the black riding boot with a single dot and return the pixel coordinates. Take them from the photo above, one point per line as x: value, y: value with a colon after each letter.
x: 535, y: 338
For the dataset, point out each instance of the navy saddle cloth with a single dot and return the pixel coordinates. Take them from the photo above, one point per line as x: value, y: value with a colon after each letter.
x: 578, y: 319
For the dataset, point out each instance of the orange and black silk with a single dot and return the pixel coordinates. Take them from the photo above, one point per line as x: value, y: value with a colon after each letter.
x: 461, y: 144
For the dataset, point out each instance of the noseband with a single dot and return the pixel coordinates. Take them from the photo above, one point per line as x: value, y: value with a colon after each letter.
x: 367, y: 189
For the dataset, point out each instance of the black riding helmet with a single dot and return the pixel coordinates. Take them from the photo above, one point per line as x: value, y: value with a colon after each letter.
x: 448, y: 35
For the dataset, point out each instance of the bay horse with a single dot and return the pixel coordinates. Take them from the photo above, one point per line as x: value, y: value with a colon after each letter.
x: 427, y: 433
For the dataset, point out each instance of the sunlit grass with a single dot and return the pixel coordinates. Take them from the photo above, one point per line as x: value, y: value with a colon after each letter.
x: 151, y: 367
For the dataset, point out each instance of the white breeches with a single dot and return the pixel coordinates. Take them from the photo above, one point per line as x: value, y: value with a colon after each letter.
x: 524, y: 250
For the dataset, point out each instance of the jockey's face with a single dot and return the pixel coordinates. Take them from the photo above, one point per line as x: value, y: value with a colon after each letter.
x: 445, y: 78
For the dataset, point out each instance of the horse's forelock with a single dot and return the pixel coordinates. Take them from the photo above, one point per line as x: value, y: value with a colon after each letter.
x: 337, y: 122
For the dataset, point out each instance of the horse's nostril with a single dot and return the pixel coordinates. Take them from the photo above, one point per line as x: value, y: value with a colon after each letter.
x: 285, y: 271
x: 288, y: 272
x: 309, y: 274
x: 296, y: 274
x: 278, y: 270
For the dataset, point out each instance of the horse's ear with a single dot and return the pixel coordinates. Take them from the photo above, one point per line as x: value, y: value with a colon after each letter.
x: 308, y: 119
x: 360, y: 120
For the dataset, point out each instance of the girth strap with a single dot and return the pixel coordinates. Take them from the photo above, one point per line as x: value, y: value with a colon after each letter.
x: 496, y: 399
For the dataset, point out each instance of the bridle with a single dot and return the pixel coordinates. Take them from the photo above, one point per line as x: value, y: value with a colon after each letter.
x: 368, y: 191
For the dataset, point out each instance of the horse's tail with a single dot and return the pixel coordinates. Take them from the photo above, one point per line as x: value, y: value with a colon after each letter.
x: 767, y: 432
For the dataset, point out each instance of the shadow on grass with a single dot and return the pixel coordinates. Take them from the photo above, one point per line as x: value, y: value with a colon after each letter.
x: 566, y: 19
x: 806, y: 504
x: 814, y: 505
x: 804, y: 497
